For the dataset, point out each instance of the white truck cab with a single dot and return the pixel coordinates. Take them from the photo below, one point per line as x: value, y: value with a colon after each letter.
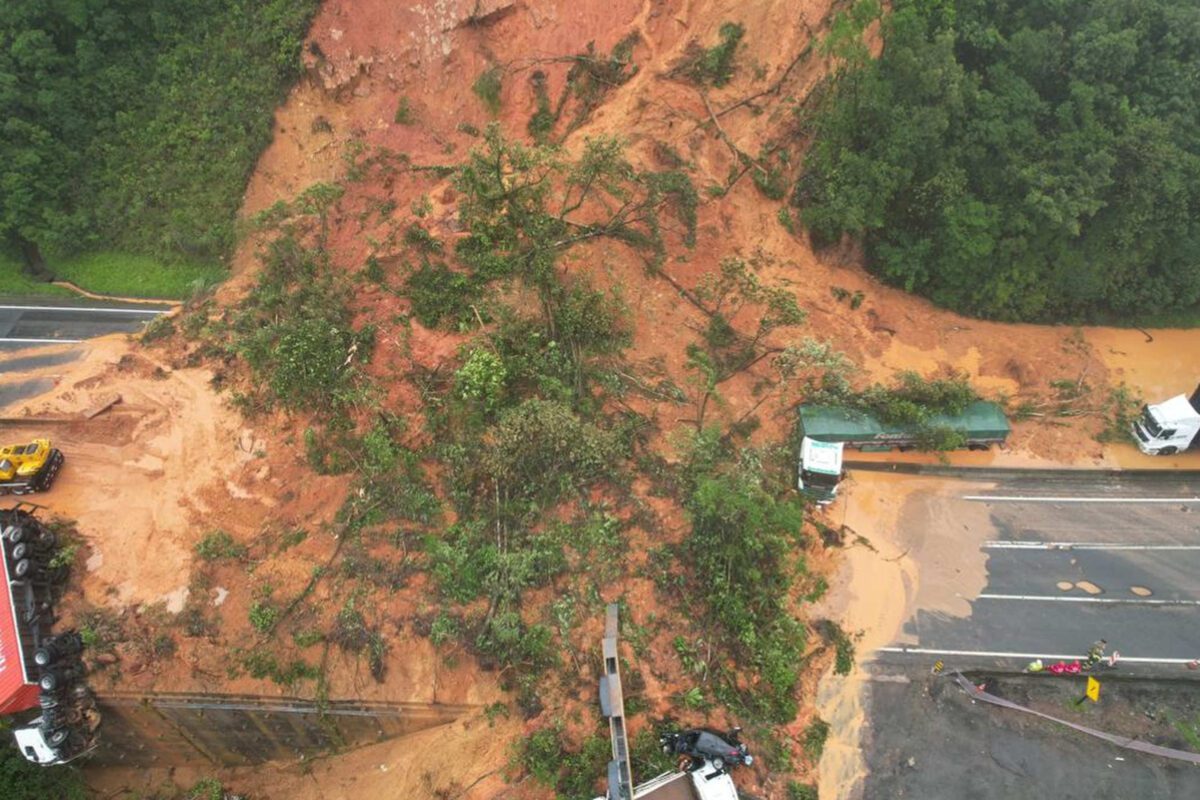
x: 820, y: 469
x: 59, y: 746
x: 1169, y: 427
x: 705, y: 783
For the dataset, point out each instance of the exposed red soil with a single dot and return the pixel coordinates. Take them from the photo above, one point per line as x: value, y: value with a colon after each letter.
x: 174, y: 462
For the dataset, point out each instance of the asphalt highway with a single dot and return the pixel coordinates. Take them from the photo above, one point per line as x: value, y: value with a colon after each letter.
x: 1066, y: 560
x: 1070, y: 561
x: 53, y: 322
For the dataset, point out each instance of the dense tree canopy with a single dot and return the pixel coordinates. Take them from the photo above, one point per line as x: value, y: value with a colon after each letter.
x: 135, y: 123
x: 1021, y: 159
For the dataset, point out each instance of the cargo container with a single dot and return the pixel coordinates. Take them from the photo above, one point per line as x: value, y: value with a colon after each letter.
x: 827, y: 430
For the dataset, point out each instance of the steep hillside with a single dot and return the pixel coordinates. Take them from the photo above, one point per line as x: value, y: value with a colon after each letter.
x: 481, y: 379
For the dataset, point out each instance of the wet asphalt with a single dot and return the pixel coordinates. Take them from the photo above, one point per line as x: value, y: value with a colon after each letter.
x: 1135, y: 544
x: 28, y: 325
x: 47, y: 321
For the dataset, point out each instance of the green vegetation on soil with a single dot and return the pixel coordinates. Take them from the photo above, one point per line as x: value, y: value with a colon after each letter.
x: 527, y: 443
x: 21, y: 780
x: 125, y: 275
x: 15, y: 281
x: 1021, y: 159
x: 133, y: 127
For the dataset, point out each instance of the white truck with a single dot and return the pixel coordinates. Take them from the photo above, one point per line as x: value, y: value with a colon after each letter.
x: 820, y: 469
x: 1169, y: 427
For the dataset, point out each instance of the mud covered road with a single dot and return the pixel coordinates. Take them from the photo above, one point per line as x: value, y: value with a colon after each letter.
x: 1026, y: 568
x: 1067, y: 561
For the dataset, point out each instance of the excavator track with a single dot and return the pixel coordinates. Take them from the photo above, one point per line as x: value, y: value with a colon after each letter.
x: 45, y: 478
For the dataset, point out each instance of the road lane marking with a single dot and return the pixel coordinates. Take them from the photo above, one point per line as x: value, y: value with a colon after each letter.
x: 85, y: 308
x: 1022, y: 499
x: 1062, y: 599
x: 41, y: 341
x: 926, y: 651
x: 1012, y: 544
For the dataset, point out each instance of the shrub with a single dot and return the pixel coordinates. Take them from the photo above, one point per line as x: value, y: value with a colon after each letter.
x: 219, y: 545
x: 310, y: 357
x: 543, y: 449
x: 572, y: 773
x: 801, y: 791
x: 487, y: 88
x: 507, y: 639
x: 263, y: 615
x: 814, y: 739
x: 715, y: 64
x: 481, y: 378
x: 439, y: 294
x: 741, y: 554
x: 543, y: 753
x: 404, y: 113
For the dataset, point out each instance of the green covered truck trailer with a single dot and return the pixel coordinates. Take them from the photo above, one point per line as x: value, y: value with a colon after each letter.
x: 826, y: 431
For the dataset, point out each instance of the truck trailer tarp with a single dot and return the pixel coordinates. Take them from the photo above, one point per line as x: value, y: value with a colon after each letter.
x: 980, y: 421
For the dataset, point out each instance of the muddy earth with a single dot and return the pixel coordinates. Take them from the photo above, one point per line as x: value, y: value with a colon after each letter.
x: 174, y: 461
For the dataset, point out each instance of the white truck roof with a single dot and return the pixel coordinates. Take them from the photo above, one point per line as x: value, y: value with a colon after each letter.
x: 33, y: 746
x: 823, y: 457
x: 702, y: 784
x: 1177, y: 409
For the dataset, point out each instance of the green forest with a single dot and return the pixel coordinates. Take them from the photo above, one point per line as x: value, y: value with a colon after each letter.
x: 133, y: 126
x: 1020, y: 159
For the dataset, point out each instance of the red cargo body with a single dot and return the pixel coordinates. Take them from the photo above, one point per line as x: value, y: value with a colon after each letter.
x: 24, y: 622
x: 18, y: 689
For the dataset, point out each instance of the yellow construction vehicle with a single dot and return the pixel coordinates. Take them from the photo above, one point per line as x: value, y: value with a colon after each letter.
x: 27, y: 468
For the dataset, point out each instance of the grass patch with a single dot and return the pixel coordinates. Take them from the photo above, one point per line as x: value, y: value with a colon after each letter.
x: 14, y: 281
x: 137, y: 276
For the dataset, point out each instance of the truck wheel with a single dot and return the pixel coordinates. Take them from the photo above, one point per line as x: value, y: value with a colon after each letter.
x: 1168, y: 451
x: 23, y: 568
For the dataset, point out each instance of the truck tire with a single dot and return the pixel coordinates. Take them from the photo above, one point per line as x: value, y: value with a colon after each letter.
x: 1168, y: 451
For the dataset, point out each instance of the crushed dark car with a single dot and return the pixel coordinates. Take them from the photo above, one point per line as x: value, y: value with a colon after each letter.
x: 722, y: 750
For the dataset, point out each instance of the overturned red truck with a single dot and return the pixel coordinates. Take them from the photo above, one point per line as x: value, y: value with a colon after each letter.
x: 41, y: 672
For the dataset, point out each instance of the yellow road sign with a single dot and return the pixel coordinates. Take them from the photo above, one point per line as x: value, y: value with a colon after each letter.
x: 1093, y: 689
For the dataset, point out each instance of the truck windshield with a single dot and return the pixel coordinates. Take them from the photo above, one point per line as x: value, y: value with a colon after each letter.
x: 1152, y: 427
x: 811, y: 478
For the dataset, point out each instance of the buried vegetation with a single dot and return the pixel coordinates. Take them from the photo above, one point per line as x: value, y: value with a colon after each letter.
x: 518, y: 474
